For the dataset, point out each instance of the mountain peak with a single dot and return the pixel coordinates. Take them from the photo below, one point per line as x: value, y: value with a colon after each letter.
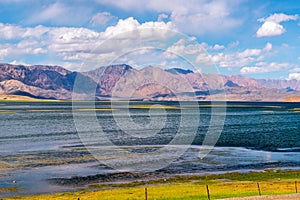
x: 179, y: 71
x: 42, y: 81
x: 229, y: 83
x: 119, y: 69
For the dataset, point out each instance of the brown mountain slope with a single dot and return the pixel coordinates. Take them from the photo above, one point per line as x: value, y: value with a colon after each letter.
x: 16, y: 87
x: 16, y: 97
x: 151, y: 83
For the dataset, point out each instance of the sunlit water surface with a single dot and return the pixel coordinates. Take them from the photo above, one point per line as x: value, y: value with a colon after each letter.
x: 41, y: 150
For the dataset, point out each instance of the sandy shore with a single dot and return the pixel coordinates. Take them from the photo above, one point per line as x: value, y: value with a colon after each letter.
x: 270, y: 197
x: 15, y: 97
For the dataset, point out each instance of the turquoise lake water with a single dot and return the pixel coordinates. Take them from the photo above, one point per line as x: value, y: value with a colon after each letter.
x: 42, y: 151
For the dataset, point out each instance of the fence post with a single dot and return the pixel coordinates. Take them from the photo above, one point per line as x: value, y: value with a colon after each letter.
x: 258, y: 189
x: 146, y: 194
x: 296, y: 189
x: 207, y: 190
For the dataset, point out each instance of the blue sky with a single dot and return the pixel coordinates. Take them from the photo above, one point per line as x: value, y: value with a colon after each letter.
x: 259, y: 39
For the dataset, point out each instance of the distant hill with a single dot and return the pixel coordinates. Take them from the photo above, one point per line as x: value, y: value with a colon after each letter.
x: 149, y: 83
x: 179, y: 71
x: 16, y: 97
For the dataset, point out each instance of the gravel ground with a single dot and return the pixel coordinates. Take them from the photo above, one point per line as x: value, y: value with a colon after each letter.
x: 270, y: 197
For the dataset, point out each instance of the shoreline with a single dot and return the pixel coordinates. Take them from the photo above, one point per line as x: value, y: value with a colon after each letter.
x: 19, y: 98
x: 58, y: 178
x: 43, y: 162
x: 220, y: 184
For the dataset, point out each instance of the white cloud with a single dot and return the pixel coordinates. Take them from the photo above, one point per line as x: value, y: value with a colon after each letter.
x: 271, y: 25
x: 268, y: 47
x: 122, y: 26
x: 12, y: 32
x: 131, y: 28
x: 12, y: 51
x: 252, y: 70
x: 294, y: 76
x: 188, y: 16
x: 270, y: 29
x: 102, y: 18
x: 67, y: 44
x: 3, y: 53
x: 64, y: 35
x: 9, y: 32
x: 237, y: 59
x: 295, y: 70
x: 218, y: 47
x: 81, y: 45
x: 217, y: 13
x: 206, y: 54
x: 183, y: 47
x: 15, y: 62
x: 279, y: 17
x: 162, y: 16
x: 35, y: 32
x: 190, y: 47
x: 263, y: 67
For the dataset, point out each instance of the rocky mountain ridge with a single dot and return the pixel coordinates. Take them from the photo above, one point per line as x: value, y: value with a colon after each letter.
x: 148, y: 83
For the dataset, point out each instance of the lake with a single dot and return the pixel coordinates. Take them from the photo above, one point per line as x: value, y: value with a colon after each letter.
x: 59, y: 146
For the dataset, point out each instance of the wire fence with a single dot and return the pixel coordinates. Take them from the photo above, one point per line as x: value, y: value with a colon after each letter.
x: 252, y: 189
x: 212, y: 191
x: 290, y: 187
x: 209, y: 190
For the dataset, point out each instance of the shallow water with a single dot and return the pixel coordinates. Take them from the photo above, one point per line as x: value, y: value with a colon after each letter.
x: 41, y: 150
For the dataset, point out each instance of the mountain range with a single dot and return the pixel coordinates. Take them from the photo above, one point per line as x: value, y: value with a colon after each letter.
x: 148, y: 83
